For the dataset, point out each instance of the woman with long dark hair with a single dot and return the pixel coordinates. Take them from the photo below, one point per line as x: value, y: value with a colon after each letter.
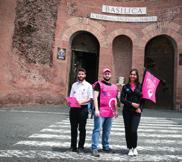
x: 131, y: 98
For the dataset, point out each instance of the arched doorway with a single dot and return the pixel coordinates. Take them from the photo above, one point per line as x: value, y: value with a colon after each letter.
x: 160, y: 59
x: 122, y: 56
x: 84, y: 53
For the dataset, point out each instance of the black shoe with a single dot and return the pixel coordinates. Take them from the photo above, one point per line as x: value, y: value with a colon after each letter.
x: 95, y: 153
x: 80, y: 150
x: 73, y: 149
x: 107, y: 150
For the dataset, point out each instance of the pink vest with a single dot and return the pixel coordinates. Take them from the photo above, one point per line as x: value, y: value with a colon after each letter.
x: 108, y: 96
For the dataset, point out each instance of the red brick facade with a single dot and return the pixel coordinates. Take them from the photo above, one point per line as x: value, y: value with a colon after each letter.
x: 122, y: 46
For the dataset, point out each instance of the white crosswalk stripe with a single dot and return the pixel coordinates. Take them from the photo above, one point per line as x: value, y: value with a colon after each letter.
x: 159, y: 140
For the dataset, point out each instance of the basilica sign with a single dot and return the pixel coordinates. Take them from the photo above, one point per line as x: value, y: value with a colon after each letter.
x: 137, y: 11
x: 124, y: 10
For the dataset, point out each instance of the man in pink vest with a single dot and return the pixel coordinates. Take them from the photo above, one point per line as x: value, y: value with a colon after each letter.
x: 105, y: 104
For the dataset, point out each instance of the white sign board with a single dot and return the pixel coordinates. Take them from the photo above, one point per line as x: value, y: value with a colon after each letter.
x: 123, y: 18
x: 124, y: 10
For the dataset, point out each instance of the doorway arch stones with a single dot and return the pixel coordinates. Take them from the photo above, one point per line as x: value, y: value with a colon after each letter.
x: 84, y: 24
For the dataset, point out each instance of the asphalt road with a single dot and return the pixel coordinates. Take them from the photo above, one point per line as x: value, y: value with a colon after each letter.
x: 42, y: 134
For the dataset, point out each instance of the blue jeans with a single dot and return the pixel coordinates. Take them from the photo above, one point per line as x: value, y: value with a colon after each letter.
x: 104, y: 124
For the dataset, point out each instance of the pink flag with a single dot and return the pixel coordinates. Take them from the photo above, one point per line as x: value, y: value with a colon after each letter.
x: 150, y: 84
x: 72, y: 102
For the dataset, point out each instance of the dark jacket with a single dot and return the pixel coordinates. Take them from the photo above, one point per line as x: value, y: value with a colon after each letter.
x: 128, y: 96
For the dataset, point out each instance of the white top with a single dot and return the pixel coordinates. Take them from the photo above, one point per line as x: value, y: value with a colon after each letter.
x: 81, y: 90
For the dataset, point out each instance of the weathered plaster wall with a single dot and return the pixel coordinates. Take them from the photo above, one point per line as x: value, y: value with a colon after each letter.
x: 35, y: 29
x: 27, y: 38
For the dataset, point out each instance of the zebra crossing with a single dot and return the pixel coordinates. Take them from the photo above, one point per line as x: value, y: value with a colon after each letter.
x: 159, y: 139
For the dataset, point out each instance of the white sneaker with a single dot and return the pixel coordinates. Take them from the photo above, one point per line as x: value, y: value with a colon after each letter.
x: 130, y: 153
x: 135, y: 152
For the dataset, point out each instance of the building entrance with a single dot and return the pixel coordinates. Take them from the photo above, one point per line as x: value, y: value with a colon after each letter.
x: 160, y: 59
x: 85, y: 54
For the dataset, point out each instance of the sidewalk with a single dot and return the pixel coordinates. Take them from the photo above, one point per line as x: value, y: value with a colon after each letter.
x: 161, y: 113
x: 148, y: 112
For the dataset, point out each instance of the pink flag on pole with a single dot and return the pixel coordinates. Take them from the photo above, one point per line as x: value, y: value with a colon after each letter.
x: 150, y: 84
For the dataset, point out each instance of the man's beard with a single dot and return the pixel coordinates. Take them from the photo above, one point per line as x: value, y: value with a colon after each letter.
x: 81, y: 78
x: 107, y: 79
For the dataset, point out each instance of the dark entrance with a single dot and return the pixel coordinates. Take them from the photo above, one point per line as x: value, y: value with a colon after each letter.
x: 85, y: 54
x: 160, y: 59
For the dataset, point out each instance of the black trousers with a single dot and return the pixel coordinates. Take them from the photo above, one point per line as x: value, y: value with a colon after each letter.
x: 131, y: 122
x: 78, y: 119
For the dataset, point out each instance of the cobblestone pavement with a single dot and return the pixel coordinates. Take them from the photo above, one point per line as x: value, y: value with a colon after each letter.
x: 159, y: 139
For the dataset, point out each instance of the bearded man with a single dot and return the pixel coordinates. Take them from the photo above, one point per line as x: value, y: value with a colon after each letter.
x: 82, y: 91
x: 105, y: 103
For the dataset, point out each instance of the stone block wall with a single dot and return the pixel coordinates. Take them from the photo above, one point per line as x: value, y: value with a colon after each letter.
x: 31, y: 32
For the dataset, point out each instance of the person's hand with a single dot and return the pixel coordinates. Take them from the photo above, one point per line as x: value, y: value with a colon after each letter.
x: 79, y: 102
x: 135, y: 105
x: 116, y: 114
x: 138, y: 110
x: 97, y: 113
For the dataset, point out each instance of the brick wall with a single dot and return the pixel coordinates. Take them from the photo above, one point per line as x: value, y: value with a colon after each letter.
x: 25, y: 82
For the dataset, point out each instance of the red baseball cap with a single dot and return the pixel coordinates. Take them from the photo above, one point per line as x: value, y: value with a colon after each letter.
x: 106, y: 70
